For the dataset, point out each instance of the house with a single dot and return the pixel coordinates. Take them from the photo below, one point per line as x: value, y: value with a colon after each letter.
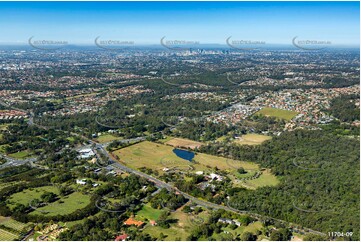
x: 121, y: 237
x: 153, y: 222
x: 225, y: 221
x: 214, y: 176
x: 81, y: 181
x: 236, y: 222
x: 132, y: 221
x: 199, y: 172
x: 86, y: 153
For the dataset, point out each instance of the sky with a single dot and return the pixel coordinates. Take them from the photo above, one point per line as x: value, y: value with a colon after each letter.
x: 204, y: 22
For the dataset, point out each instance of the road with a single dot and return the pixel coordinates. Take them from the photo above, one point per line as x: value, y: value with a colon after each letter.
x: 161, y: 184
x: 171, y: 188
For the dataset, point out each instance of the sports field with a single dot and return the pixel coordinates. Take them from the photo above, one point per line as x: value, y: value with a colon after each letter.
x: 252, y: 139
x: 277, y: 113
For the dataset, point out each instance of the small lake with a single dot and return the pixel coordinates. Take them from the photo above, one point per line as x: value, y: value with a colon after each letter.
x: 184, y: 154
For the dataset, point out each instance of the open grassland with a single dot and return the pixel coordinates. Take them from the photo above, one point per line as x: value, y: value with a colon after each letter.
x: 107, y: 138
x: 277, y: 113
x: 64, y: 205
x: 7, y: 236
x: 266, y: 179
x: 20, y: 155
x: 149, y: 213
x: 11, y: 223
x: 184, y: 143
x: 30, y: 194
x: 157, y: 156
x: 179, y: 230
x: 252, y: 139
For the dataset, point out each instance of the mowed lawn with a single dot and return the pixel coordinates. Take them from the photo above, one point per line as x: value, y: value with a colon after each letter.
x: 11, y: 223
x: 157, y: 156
x: 181, y: 229
x: 266, y: 179
x: 277, y: 113
x: 149, y: 213
x: 20, y: 155
x: 185, y: 143
x: 7, y: 236
x: 28, y: 195
x: 107, y: 138
x: 252, y: 139
x: 64, y: 205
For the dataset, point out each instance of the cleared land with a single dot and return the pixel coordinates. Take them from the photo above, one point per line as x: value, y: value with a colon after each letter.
x: 157, y: 157
x: 184, y: 143
x: 7, y: 236
x: 252, y: 139
x: 107, y: 138
x: 20, y: 155
x: 277, y: 113
x: 64, y: 205
x: 149, y: 213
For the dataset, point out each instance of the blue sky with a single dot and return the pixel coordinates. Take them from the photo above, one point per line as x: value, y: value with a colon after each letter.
x: 206, y: 22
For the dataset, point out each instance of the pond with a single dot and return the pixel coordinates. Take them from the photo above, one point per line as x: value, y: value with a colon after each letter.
x: 184, y: 154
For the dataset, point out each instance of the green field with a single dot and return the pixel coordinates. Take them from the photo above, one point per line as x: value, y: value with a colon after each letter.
x: 7, y: 236
x: 252, y: 139
x: 147, y: 212
x: 277, y: 113
x: 181, y: 229
x: 266, y: 179
x: 157, y: 156
x: 28, y: 195
x: 11, y: 223
x: 107, y: 138
x: 64, y: 205
x: 20, y: 155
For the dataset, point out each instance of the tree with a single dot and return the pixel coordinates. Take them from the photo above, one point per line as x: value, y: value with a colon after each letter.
x: 241, y: 170
x: 281, y: 235
x: 248, y: 236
